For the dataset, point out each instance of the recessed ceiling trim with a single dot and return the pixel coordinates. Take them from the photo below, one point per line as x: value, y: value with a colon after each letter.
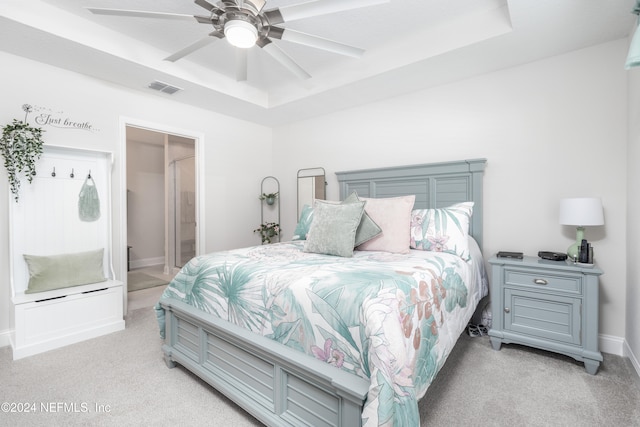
x: 441, y: 42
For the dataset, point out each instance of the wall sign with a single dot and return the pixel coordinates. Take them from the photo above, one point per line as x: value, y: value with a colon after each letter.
x: 47, y: 117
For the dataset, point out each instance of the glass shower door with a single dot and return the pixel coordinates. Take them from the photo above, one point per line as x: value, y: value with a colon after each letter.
x: 185, y: 210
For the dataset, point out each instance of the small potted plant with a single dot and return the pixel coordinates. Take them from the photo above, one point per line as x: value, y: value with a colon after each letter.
x: 270, y: 198
x: 21, y: 147
x: 268, y: 231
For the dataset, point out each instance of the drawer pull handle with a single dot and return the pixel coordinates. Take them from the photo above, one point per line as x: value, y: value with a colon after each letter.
x: 540, y: 282
x: 507, y: 310
x: 49, y: 299
x: 95, y: 290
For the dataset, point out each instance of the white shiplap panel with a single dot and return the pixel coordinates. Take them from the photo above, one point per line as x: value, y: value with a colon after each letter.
x: 46, y: 221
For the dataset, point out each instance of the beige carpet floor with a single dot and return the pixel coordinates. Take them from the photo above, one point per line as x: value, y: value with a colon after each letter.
x: 121, y: 380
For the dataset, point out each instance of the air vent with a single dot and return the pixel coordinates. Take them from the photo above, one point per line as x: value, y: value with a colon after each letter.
x: 164, y: 87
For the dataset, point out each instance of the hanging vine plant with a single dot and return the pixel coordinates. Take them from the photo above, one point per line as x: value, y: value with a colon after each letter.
x: 21, y: 147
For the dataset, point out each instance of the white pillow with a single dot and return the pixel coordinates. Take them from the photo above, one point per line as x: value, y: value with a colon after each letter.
x: 442, y: 230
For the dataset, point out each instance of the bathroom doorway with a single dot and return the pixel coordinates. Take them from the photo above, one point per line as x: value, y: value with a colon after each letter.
x: 161, y: 205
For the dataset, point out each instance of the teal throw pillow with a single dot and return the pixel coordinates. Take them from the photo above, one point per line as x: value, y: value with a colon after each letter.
x: 302, y: 229
x: 367, y: 229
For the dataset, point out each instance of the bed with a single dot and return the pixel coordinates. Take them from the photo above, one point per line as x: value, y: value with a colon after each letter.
x: 298, y: 334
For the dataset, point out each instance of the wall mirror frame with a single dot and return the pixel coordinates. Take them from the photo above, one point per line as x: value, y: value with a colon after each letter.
x: 311, y: 185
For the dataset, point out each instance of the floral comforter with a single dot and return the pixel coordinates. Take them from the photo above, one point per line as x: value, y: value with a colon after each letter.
x: 391, y: 318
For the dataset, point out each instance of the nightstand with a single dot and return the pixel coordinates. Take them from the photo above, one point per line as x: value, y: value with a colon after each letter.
x: 551, y: 305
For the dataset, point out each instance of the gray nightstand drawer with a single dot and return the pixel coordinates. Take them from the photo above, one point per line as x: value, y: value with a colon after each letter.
x: 543, y: 280
x: 556, y: 318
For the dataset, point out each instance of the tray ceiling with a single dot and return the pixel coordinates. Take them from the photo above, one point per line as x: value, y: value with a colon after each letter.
x: 410, y: 45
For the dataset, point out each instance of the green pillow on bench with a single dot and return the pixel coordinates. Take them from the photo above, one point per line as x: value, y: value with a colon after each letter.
x: 65, y: 270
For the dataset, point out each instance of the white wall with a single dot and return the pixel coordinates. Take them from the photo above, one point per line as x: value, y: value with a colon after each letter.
x: 549, y: 129
x: 633, y: 225
x: 232, y: 173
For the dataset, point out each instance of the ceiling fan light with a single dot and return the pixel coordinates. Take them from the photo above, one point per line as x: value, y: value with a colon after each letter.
x: 240, y: 33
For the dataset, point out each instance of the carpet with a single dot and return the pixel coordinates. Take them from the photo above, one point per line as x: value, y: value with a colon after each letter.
x: 117, y: 380
x: 120, y: 379
x: 137, y: 280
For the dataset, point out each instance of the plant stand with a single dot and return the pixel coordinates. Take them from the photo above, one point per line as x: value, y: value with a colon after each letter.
x: 270, y: 182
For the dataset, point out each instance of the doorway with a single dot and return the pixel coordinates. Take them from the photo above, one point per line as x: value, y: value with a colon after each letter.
x: 161, y: 210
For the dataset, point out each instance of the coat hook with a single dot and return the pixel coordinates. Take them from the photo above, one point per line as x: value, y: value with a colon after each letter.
x: 72, y: 174
x: 89, y: 176
x: 53, y: 174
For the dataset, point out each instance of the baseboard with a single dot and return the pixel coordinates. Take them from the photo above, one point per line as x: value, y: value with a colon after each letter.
x: 147, y: 262
x: 5, y: 338
x: 31, y: 349
x: 611, y: 344
x: 632, y: 357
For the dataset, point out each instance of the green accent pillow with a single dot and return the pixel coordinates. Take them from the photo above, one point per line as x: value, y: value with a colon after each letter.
x: 333, y: 230
x: 302, y: 229
x: 65, y: 270
x: 367, y: 229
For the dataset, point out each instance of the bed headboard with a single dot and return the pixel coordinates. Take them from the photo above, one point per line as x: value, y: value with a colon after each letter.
x: 435, y: 185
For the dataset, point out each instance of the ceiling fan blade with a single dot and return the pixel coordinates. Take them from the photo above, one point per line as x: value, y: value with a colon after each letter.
x: 316, y: 8
x: 255, y: 6
x: 315, y: 41
x: 258, y: 5
x: 204, y: 19
x: 208, y: 6
x: 284, y: 59
x: 140, y: 14
x: 242, y: 56
x: 194, y: 46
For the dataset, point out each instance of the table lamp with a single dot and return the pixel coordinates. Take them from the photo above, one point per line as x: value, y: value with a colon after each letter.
x: 581, y: 212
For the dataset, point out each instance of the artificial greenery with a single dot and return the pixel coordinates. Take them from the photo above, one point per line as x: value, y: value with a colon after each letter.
x: 21, y: 147
x: 267, y: 231
x: 265, y: 196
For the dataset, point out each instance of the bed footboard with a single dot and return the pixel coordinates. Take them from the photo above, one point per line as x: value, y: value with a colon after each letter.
x: 277, y: 385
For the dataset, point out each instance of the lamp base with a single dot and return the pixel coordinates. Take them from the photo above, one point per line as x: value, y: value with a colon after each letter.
x: 574, y: 249
x: 573, y: 252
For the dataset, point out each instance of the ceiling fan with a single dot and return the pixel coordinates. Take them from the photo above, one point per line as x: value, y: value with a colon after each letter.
x: 245, y: 23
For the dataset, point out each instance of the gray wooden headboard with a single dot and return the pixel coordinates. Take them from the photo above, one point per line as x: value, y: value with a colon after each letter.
x: 435, y: 185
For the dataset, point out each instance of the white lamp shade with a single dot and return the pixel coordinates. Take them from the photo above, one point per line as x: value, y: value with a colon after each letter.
x: 586, y: 211
x: 240, y: 33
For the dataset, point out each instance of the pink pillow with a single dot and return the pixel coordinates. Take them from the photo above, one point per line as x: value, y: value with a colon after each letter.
x: 393, y: 216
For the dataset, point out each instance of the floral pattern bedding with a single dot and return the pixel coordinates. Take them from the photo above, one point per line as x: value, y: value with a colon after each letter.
x: 391, y: 318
